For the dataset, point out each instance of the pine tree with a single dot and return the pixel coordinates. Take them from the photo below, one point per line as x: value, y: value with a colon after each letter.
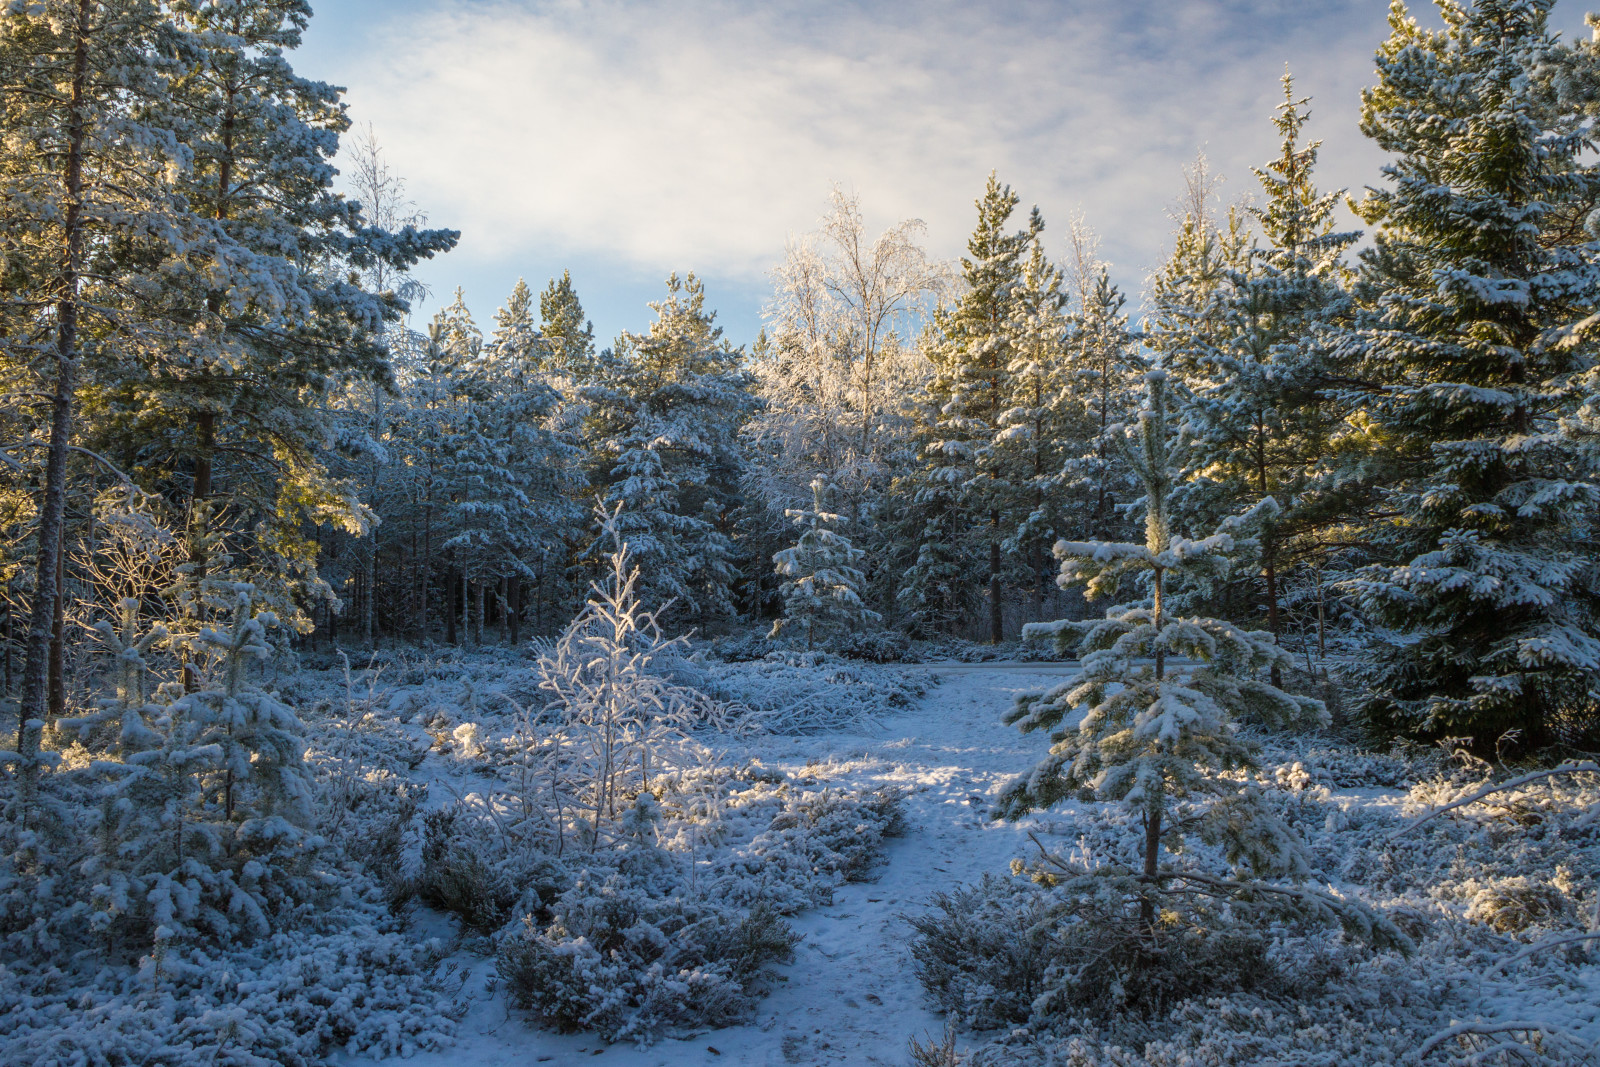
x: 1046, y: 422
x: 276, y: 319
x: 972, y: 359
x: 568, y: 336
x: 516, y: 476
x: 1257, y: 363
x: 1106, y: 371
x: 822, y: 587
x: 1154, y: 737
x: 84, y: 181
x: 1486, y: 583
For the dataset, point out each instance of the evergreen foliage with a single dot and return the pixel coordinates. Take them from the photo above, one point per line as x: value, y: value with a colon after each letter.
x: 1469, y: 301
x: 822, y: 582
x: 1155, y: 737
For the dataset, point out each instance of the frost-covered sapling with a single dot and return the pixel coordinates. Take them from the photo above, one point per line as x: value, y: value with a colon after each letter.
x: 622, y: 718
x: 822, y: 580
x: 1161, y: 738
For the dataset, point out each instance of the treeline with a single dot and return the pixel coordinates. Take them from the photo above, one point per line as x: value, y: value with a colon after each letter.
x: 204, y: 343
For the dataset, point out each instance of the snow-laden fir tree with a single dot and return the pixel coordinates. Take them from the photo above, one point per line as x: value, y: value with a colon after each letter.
x: 821, y: 578
x: 1481, y: 268
x: 1153, y: 736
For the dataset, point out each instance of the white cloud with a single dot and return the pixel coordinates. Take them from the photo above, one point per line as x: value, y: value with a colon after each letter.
x: 698, y: 134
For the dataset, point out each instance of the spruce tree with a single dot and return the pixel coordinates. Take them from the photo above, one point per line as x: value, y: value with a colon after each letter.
x: 1486, y: 586
x: 822, y: 582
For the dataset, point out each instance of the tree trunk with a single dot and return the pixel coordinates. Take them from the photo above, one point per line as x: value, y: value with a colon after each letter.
x: 1269, y: 548
x: 514, y: 610
x: 36, y: 668
x: 58, y: 644
x: 450, y: 609
x: 995, y: 622
x: 474, y: 617
x: 1269, y: 568
x: 1036, y: 564
x: 1152, y: 857
x: 427, y: 555
x: 1152, y: 818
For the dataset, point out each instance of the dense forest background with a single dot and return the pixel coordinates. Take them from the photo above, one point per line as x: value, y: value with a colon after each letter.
x: 213, y: 381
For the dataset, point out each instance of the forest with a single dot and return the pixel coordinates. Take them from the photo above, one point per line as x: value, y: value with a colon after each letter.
x: 1204, y: 674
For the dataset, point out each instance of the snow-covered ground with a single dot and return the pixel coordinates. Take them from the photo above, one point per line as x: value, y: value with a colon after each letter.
x: 850, y: 997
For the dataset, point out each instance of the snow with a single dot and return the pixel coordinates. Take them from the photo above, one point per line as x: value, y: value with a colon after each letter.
x: 850, y: 997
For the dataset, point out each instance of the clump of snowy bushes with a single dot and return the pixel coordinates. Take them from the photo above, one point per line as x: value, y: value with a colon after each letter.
x: 630, y: 884
x: 807, y: 693
x: 676, y: 909
x: 179, y: 883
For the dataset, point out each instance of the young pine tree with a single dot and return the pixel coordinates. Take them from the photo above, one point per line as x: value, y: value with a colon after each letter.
x: 822, y: 582
x: 1154, y: 737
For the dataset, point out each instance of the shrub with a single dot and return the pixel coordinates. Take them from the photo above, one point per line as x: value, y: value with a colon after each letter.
x: 998, y: 953
x: 627, y: 963
x: 876, y: 646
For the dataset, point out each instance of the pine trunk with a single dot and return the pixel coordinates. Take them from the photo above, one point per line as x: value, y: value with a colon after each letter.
x: 514, y: 610
x: 450, y: 609
x: 36, y: 668
x: 995, y: 622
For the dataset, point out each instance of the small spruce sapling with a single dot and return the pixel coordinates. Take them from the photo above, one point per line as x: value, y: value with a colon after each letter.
x: 1157, y: 737
x: 822, y: 590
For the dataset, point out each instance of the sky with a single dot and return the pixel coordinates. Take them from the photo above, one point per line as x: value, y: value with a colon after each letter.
x: 624, y: 140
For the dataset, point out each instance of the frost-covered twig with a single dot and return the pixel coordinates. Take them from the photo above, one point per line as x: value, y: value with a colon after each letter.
x: 1489, y: 1029
x: 1539, y: 946
x: 1569, y: 767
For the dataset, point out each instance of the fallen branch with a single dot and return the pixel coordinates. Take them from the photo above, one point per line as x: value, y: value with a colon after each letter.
x: 1551, y: 942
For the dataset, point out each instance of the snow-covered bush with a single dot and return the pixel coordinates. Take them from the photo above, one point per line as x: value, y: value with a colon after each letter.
x: 813, y: 843
x: 984, y: 950
x: 353, y: 982
x: 630, y: 963
x: 876, y: 646
x: 999, y: 952
x: 807, y: 693
x: 671, y: 927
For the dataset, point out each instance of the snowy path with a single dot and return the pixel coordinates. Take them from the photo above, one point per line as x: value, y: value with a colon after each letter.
x: 850, y: 996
